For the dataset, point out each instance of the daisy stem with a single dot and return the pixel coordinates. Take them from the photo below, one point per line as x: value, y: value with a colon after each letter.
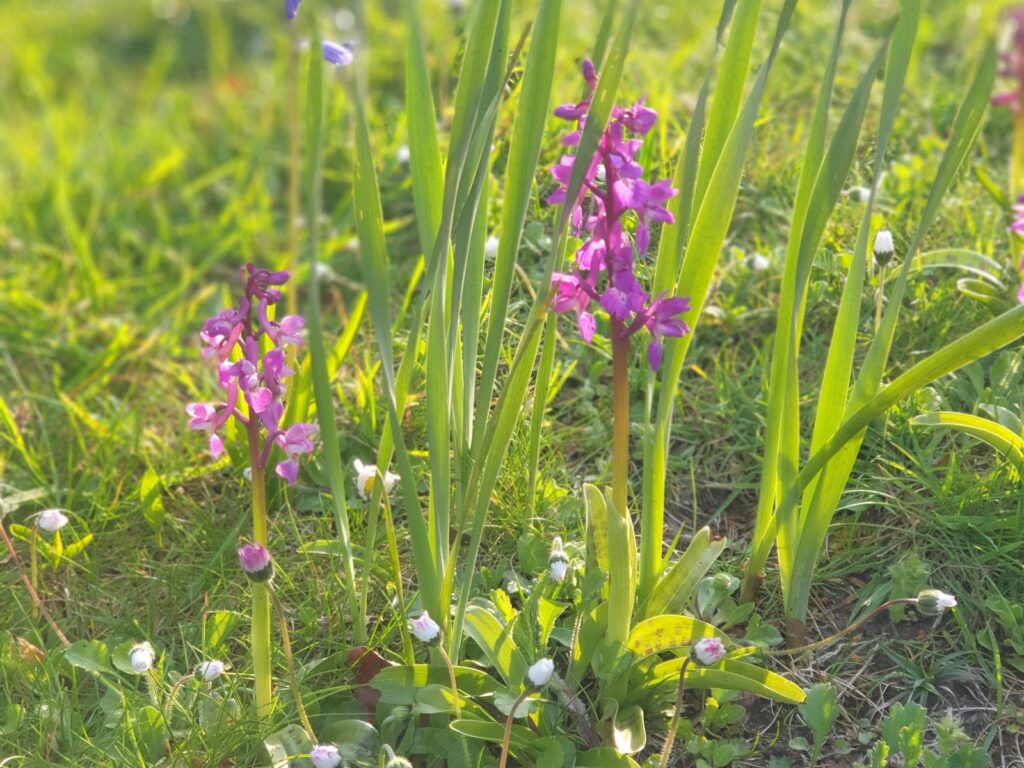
x: 286, y: 645
x: 673, y: 725
x: 507, y: 737
x: 33, y: 559
x: 843, y: 632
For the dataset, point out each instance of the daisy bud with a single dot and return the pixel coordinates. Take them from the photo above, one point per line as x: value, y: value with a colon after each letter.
x: 884, y: 248
x: 325, y: 756
x: 558, y: 563
x: 141, y: 657
x: 540, y: 672
x: 425, y: 628
x: 210, y: 670
x: 491, y: 247
x: 402, y: 154
x: 51, y: 520
x: 255, y: 561
x: 707, y: 651
x: 932, y: 602
x: 759, y: 262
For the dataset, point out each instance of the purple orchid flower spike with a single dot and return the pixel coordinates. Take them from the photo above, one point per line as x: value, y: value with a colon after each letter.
x: 614, y: 192
x: 1012, y: 62
x: 337, y: 54
x: 254, y: 381
x: 291, y: 9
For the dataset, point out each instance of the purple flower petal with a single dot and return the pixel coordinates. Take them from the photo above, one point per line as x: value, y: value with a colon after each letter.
x: 337, y: 54
x: 291, y: 8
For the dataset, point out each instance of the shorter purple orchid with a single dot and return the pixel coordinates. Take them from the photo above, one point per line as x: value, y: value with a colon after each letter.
x: 253, y: 377
x: 606, y: 261
x: 291, y: 9
x: 1012, y: 63
x: 254, y: 559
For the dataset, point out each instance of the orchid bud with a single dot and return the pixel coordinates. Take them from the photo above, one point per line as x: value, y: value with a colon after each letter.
x: 558, y: 563
x: 540, y: 672
x: 933, y: 602
x: 707, y: 651
x: 210, y: 670
x: 325, y: 756
x: 425, y: 628
x: 51, y: 520
x: 884, y: 248
x: 141, y: 657
x: 255, y: 561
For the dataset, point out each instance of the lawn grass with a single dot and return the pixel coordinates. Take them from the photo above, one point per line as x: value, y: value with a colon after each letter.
x: 146, y: 157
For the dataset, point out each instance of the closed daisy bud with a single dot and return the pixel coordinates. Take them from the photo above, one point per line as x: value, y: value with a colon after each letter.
x: 707, y: 651
x: 255, y: 561
x: 884, y: 248
x: 325, y: 756
x: 491, y: 247
x: 558, y: 563
x: 540, y: 672
x: 932, y: 602
x: 425, y: 628
x: 51, y: 520
x: 141, y: 657
x: 759, y: 262
x: 210, y: 670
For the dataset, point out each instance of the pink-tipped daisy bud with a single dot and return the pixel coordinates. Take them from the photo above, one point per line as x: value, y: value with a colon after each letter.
x: 210, y: 670
x: 932, y: 602
x: 325, y: 756
x: 558, y: 562
x: 255, y: 561
x: 540, y: 672
x: 141, y: 657
x: 425, y: 628
x: 51, y: 520
x: 707, y: 651
x: 884, y: 248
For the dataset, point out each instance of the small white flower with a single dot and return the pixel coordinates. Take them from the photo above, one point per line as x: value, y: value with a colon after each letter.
x: 558, y: 563
x: 600, y: 174
x: 247, y: 474
x: 859, y: 194
x: 141, y: 657
x: 366, y: 475
x: 491, y: 247
x: 707, y: 651
x: 325, y: 756
x: 541, y: 672
x: 402, y: 154
x: 425, y: 628
x: 210, y: 670
x: 759, y: 262
x: 51, y: 520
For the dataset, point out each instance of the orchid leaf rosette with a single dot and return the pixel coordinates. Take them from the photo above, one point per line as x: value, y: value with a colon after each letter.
x: 613, y: 215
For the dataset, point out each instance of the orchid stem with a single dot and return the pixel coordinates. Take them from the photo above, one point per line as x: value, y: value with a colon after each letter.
x: 507, y: 737
x: 620, y: 415
x: 286, y: 646
x: 841, y: 633
x: 260, y: 639
x: 673, y: 726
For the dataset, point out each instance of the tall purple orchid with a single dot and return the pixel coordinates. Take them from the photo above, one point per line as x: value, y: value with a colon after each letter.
x: 254, y: 377
x: 614, y: 196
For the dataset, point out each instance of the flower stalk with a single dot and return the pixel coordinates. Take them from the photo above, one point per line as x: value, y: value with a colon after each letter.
x: 673, y: 726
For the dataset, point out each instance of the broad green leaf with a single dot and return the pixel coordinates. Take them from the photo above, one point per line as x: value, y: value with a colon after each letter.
x: 152, y: 732
x: 674, y: 590
x: 605, y: 757
x: 1007, y: 442
x: 90, y: 655
x: 984, y: 267
x: 220, y: 627
x: 151, y: 496
x: 399, y: 684
x: 629, y: 736
x: 597, y: 527
x: 285, y: 745
x: 496, y: 642
x: 728, y: 674
x: 522, y: 738
x: 621, y: 571
x: 663, y: 633
x: 820, y: 711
